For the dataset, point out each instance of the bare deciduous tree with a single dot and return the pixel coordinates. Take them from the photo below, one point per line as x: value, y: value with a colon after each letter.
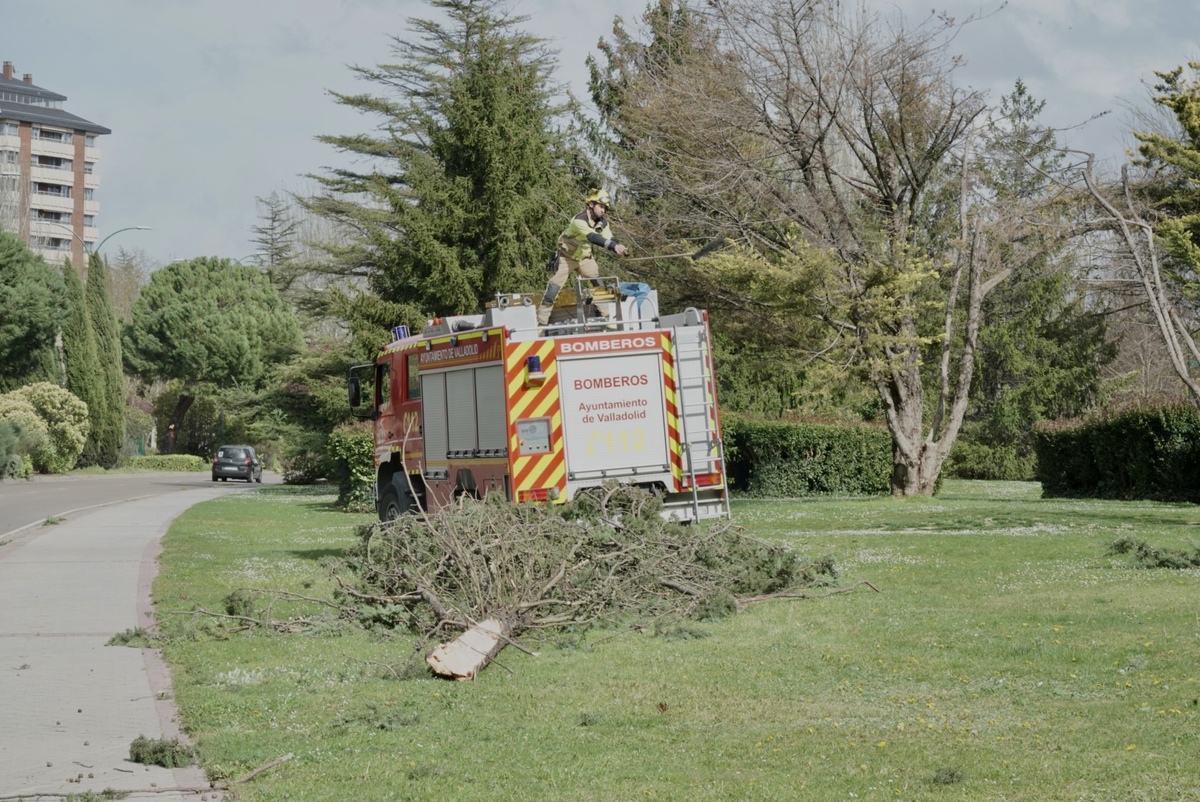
x: 810, y: 125
x: 1119, y: 210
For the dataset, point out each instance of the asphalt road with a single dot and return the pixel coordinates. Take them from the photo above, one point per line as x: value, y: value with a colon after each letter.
x: 24, y: 502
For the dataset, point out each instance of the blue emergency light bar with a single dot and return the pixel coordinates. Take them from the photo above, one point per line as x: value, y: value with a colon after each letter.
x: 400, y: 332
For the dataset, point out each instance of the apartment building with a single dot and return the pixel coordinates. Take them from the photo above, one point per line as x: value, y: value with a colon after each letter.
x: 48, y: 179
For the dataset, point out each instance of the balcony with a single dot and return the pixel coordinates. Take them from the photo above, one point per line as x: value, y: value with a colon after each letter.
x: 54, y: 190
x: 51, y: 162
x: 47, y: 216
x: 61, y: 150
x: 53, y: 203
x: 51, y: 175
x: 50, y: 240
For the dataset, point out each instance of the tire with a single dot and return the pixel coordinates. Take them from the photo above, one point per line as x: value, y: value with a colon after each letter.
x: 224, y: 478
x: 391, y: 506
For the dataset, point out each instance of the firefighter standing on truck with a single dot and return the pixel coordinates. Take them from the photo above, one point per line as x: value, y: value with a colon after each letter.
x: 574, y: 252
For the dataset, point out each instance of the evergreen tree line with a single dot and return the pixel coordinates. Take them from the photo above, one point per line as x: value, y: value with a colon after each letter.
x: 60, y: 330
x: 827, y: 305
x: 933, y: 262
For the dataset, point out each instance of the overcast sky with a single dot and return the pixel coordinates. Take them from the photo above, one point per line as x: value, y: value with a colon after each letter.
x: 213, y: 103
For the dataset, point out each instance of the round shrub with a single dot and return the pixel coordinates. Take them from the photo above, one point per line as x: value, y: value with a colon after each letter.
x: 66, y: 420
x: 33, y: 442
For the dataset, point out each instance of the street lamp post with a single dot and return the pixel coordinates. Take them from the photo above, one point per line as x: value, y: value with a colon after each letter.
x: 86, y: 248
x: 115, y: 233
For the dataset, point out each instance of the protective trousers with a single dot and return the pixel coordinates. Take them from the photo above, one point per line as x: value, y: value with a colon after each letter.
x: 587, y: 268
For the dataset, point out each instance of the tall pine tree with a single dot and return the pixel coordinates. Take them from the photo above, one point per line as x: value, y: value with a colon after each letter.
x: 85, y: 375
x: 276, y: 236
x: 111, y: 426
x: 472, y: 178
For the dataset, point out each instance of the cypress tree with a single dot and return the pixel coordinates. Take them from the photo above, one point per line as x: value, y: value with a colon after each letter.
x: 110, y: 430
x: 84, y: 372
x: 472, y: 177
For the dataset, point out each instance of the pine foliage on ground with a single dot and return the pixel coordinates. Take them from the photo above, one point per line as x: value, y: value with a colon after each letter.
x: 606, y: 559
x: 1143, y: 555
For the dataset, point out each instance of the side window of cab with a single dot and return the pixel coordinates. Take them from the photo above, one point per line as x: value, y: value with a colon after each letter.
x: 413, y: 377
x: 383, y: 388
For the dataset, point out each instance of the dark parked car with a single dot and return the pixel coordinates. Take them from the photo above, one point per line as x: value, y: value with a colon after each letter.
x: 237, y: 462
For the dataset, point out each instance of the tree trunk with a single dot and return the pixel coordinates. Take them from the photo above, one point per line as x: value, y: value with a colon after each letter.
x: 903, y: 396
x: 466, y: 655
x: 182, y: 405
x: 918, y: 454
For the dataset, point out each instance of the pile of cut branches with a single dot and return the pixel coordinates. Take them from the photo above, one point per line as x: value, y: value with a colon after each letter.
x: 1143, y: 555
x: 608, y: 558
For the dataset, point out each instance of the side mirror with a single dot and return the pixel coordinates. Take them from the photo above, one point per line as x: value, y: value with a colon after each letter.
x: 355, y: 388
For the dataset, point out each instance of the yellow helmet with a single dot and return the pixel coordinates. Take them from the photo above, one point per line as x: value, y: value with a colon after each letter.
x: 599, y: 196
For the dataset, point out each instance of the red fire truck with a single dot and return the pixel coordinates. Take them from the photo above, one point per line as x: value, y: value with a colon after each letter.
x: 493, y: 402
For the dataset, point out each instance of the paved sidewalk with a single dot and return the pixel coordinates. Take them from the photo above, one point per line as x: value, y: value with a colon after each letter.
x: 69, y: 705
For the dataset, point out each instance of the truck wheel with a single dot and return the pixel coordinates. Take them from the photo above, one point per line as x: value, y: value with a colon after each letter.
x: 391, y: 504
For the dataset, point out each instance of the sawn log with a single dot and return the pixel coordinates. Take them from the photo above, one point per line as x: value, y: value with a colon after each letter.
x: 463, y: 657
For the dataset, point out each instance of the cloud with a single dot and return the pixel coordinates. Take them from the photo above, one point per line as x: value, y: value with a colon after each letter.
x: 215, y: 103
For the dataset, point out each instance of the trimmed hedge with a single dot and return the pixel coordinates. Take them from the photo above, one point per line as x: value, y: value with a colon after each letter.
x: 166, y: 462
x: 779, y: 459
x: 352, y: 448
x: 1148, y: 453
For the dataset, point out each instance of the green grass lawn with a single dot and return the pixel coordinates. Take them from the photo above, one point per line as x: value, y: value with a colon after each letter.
x: 1006, y: 656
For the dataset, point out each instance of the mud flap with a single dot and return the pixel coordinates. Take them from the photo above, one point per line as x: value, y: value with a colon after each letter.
x: 464, y: 483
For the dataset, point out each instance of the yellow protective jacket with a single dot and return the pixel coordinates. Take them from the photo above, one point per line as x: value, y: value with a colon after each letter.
x: 582, y: 233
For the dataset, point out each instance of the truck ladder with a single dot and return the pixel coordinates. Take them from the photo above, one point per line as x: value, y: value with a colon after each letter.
x: 704, y: 452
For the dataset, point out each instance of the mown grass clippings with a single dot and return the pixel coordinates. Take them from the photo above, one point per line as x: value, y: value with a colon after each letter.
x: 1003, y: 643
x: 135, y: 637
x: 97, y: 796
x: 168, y: 753
x: 424, y: 771
x: 948, y: 775
x: 385, y: 717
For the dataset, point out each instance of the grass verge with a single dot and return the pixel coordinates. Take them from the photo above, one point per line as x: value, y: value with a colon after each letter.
x: 1008, y: 656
